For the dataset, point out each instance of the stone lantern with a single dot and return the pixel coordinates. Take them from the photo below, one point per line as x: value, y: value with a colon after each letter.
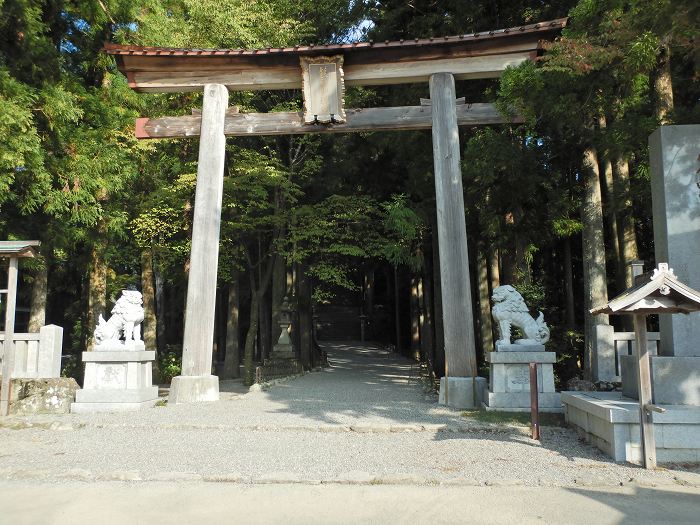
x: 283, y: 348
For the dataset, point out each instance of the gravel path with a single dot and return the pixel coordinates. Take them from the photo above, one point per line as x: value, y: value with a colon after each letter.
x: 361, y: 421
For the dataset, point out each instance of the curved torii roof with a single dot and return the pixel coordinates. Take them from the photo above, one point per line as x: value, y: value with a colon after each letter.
x: 476, y: 55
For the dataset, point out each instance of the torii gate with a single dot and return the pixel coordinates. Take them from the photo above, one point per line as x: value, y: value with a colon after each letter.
x: 321, y: 71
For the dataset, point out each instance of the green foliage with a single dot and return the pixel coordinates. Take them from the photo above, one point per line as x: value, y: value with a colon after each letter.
x: 169, y: 366
x: 334, y: 236
x: 405, y: 230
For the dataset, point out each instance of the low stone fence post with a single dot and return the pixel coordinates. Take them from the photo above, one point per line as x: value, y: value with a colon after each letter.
x: 604, y: 356
x: 50, y: 349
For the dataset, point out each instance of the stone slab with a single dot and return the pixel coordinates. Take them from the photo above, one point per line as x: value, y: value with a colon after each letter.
x: 89, y: 408
x: 521, y: 357
x: 521, y: 400
x: 461, y: 391
x: 131, y: 395
x: 611, y: 407
x: 123, y: 356
x: 515, y: 377
x: 514, y: 347
x: 120, y: 346
x: 193, y: 389
x: 674, y: 380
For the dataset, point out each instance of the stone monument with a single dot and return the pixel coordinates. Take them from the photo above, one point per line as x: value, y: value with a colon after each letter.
x: 509, y: 383
x: 118, y: 372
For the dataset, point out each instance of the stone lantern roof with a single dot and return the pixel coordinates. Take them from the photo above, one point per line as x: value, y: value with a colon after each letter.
x: 658, y: 292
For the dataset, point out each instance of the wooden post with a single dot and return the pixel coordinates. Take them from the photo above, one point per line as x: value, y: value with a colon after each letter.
x: 9, y: 344
x: 460, y: 351
x: 534, y: 403
x: 646, y: 427
x: 201, y: 287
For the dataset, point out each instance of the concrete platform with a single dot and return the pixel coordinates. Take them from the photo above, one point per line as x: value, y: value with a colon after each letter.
x: 610, y: 421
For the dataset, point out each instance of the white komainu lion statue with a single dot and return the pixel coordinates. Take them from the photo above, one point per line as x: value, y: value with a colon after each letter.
x: 509, y: 309
x: 125, y: 321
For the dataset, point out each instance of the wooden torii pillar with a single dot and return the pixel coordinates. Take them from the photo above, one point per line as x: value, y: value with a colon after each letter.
x: 458, y: 320
x: 196, y: 382
x: 437, y: 61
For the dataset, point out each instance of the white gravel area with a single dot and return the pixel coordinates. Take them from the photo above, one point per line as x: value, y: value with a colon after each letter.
x: 361, y: 421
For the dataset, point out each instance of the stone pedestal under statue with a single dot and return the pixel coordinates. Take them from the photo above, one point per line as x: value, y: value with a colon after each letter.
x: 116, y: 381
x: 509, y: 384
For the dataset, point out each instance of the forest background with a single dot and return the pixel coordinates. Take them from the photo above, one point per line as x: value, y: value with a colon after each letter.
x: 557, y: 206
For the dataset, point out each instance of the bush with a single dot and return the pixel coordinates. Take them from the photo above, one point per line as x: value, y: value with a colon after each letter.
x: 169, y: 366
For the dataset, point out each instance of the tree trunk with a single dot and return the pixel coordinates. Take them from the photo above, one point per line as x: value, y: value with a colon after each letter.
x: 397, y: 312
x: 569, y: 285
x: 611, y: 215
x: 97, y: 292
x: 251, y: 336
x: 232, y: 354
x: 149, y: 301
x: 494, y: 272
x: 265, y: 324
x: 508, y: 266
x: 428, y: 335
x: 415, y: 319
x: 482, y: 276
x: 663, y: 86
x: 37, y: 309
x: 522, y: 266
x: 594, y: 268
x: 305, y: 316
x: 368, y: 295
x: 627, y: 237
x: 160, y: 312
x: 256, y: 294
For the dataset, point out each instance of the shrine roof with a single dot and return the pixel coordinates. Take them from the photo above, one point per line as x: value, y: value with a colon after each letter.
x: 18, y: 248
x: 162, y: 69
x: 540, y: 28
x: 654, y: 292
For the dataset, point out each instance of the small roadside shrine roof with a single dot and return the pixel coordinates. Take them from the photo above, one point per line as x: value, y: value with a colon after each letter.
x: 476, y: 55
x: 18, y: 248
x: 658, y: 292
